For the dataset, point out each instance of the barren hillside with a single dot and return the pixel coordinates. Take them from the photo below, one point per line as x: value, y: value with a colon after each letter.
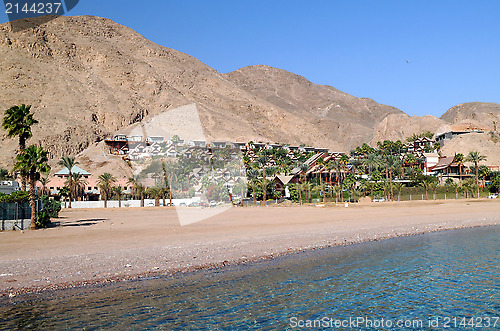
x: 483, y: 114
x: 88, y: 77
x: 401, y: 126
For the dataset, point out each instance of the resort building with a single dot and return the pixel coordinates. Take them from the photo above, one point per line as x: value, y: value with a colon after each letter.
x: 88, y: 185
x: 431, y: 160
x: 9, y: 186
x: 457, y: 130
x: 283, y: 182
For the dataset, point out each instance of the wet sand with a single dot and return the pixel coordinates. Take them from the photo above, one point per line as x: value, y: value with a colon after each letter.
x: 107, y: 245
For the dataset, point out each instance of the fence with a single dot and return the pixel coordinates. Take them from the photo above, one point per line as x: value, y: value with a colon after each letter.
x: 15, y: 216
x: 128, y: 203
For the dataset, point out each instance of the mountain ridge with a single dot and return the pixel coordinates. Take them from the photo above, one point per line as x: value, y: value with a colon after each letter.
x: 88, y: 77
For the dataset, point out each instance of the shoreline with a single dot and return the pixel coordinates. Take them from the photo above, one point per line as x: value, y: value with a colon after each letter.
x: 149, y: 244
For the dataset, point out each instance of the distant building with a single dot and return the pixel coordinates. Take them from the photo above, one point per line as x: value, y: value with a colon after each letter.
x: 198, y: 143
x: 283, y: 184
x: 91, y: 190
x: 156, y: 139
x: 218, y: 144
x: 64, y: 173
x: 431, y: 160
x: 135, y: 138
x: 9, y: 186
x: 458, y: 130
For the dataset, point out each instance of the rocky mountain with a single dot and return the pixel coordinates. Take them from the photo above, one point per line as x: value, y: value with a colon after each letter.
x: 401, y: 126
x: 88, y: 77
x: 483, y: 114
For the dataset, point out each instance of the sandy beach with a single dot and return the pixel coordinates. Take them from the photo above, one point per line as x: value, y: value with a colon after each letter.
x: 106, y: 245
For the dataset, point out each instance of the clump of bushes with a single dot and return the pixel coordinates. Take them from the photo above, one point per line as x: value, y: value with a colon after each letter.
x: 17, y: 196
x: 43, y: 220
x: 51, y: 207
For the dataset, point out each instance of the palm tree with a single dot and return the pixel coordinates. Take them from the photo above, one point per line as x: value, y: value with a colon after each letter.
x: 475, y: 157
x: 168, y: 178
x: 307, y: 186
x: 299, y: 187
x: 252, y: 174
x: 118, y: 191
x: 265, y: 185
x: 69, y: 162
x: 44, y: 181
x: 105, y: 183
x: 366, y: 185
x: 469, y: 185
x: 330, y: 165
x: 32, y: 161
x: 427, y: 182
x: 253, y: 185
x: 372, y: 161
x: 156, y: 193
x: 398, y: 186
x: 138, y: 188
x: 64, y: 193
x: 321, y: 190
x: 455, y: 186
x: 17, y: 121
x: 78, y: 182
x: 262, y: 161
x: 433, y: 186
x: 459, y: 159
x: 335, y: 190
x: 394, y: 165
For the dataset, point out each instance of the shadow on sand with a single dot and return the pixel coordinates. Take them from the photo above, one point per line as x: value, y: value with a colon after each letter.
x: 87, y: 222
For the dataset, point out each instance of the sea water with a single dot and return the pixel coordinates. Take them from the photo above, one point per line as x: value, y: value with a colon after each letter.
x: 435, y: 281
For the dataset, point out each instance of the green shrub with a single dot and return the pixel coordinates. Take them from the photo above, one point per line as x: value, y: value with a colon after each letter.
x: 52, y: 207
x: 43, y: 219
x: 17, y: 196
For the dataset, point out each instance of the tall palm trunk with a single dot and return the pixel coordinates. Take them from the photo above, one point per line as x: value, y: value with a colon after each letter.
x: 170, y: 190
x: 32, y: 202
x: 142, y: 198
x: 477, y: 178
x: 22, y: 147
x: 264, y: 188
x: 390, y: 184
x: 70, y: 188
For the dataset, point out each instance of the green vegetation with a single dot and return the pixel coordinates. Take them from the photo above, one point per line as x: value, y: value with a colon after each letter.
x: 17, y: 196
x: 105, y: 183
x: 69, y: 162
x: 17, y: 121
x: 32, y: 161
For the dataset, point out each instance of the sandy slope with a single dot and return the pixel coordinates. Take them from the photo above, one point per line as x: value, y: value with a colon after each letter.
x: 99, y: 245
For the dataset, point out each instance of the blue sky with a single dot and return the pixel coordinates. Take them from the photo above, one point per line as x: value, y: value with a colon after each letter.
x: 359, y: 47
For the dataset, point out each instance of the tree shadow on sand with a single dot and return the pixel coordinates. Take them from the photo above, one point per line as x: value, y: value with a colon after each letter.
x: 87, y: 222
